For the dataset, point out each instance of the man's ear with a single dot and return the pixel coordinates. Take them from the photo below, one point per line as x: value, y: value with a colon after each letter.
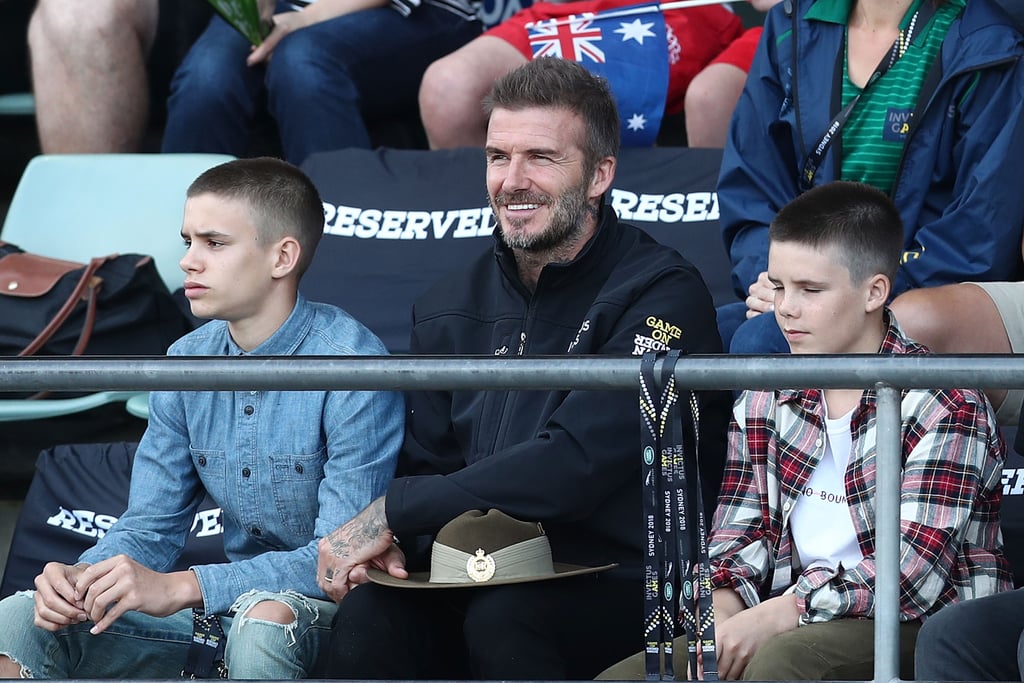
x: 604, y: 174
x: 876, y: 289
x: 287, y: 252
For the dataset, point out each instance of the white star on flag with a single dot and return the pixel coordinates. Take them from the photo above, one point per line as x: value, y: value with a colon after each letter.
x: 635, y: 30
x: 637, y: 122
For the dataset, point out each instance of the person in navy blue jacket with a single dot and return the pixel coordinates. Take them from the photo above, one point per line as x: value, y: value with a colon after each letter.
x: 565, y: 277
x: 937, y: 125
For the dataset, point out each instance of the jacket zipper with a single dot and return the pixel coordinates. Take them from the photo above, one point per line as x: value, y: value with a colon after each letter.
x: 500, y: 422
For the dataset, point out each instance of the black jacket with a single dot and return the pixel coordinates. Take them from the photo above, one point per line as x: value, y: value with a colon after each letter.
x: 569, y: 459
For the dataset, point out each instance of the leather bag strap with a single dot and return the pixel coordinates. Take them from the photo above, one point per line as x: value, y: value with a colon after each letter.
x: 87, y: 288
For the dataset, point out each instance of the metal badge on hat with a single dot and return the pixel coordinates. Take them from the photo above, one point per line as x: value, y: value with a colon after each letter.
x: 480, y: 567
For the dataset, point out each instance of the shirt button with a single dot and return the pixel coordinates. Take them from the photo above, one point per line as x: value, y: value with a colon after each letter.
x: 253, y: 393
x: 202, y: 461
x: 787, y: 505
x: 298, y: 468
x: 246, y: 472
x: 256, y: 531
x: 249, y: 410
x: 817, y: 442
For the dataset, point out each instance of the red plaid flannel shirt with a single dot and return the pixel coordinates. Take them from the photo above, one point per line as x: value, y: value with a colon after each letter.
x: 950, y: 546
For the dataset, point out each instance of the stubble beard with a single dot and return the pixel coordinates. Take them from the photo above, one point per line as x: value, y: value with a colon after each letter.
x: 569, y: 213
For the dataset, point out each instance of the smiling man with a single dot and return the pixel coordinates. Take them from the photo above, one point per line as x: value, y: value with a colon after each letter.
x: 564, y: 277
x: 285, y: 467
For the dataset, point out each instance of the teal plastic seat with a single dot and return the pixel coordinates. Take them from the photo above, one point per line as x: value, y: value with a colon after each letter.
x: 77, y: 206
x: 138, y: 405
x: 12, y: 410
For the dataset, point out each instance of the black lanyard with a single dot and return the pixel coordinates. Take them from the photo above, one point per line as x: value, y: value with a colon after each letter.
x: 814, y: 160
x: 206, y: 652
x: 677, y: 571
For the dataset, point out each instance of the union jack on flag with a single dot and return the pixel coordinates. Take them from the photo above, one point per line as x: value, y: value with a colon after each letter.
x: 628, y: 46
x: 575, y: 39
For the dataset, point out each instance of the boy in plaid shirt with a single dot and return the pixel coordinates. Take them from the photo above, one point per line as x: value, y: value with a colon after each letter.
x: 792, y: 542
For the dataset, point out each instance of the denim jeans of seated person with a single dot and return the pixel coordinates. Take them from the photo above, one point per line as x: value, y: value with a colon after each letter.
x: 140, y: 646
x: 321, y: 83
x: 758, y: 335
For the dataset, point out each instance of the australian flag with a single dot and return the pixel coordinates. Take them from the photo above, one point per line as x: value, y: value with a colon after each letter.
x: 629, y: 48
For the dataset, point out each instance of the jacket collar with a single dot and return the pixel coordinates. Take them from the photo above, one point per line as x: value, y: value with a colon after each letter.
x: 838, y: 11
x: 1014, y: 9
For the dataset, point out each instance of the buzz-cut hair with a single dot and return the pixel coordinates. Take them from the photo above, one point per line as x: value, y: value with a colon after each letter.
x: 859, y: 221
x: 281, y: 199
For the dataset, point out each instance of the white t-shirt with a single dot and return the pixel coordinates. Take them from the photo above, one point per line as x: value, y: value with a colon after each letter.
x: 823, y: 533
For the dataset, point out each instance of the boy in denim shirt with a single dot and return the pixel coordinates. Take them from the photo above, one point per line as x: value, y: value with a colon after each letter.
x: 285, y: 467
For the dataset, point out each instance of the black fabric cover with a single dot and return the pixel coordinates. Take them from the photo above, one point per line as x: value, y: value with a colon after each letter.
x: 1012, y: 511
x: 77, y: 492
x: 397, y: 220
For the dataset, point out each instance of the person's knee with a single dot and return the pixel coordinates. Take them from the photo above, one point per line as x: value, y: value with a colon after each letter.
x: 366, y: 612
x: 445, y: 100
x: 515, y: 611
x: 709, y: 102
x: 201, y: 84
x: 1020, y: 654
x: 74, y: 22
x: 758, y: 335
x: 932, y: 639
x: 271, y: 610
x: 20, y: 639
x: 298, y: 67
x: 921, y: 314
x: 11, y: 669
x: 453, y: 87
x: 264, y: 640
x: 71, y: 19
x: 367, y: 621
x: 785, y: 659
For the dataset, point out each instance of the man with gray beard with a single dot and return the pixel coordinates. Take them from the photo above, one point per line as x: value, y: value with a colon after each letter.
x: 564, y: 277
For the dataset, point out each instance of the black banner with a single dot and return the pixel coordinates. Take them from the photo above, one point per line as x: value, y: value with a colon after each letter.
x: 397, y: 220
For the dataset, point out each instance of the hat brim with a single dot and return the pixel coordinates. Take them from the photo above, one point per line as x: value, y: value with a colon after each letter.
x: 422, y: 579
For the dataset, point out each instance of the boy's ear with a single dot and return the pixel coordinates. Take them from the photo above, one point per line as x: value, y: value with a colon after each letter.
x: 286, y: 254
x: 877, y: 291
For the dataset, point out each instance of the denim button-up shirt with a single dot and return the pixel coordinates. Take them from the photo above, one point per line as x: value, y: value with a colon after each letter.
x: 286, y: 467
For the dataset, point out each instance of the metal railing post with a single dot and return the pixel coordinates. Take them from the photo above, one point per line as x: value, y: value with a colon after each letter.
x: 888, y: 477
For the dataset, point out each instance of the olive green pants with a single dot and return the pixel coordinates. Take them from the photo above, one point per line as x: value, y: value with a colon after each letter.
x: 841, y: 650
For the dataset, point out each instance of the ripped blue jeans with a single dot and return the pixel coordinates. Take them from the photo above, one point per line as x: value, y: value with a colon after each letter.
x: 140, y: 646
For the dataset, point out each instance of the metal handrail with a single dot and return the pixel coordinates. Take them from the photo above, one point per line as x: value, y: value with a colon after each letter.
x: 143, y: 373
x: 886, y: 374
